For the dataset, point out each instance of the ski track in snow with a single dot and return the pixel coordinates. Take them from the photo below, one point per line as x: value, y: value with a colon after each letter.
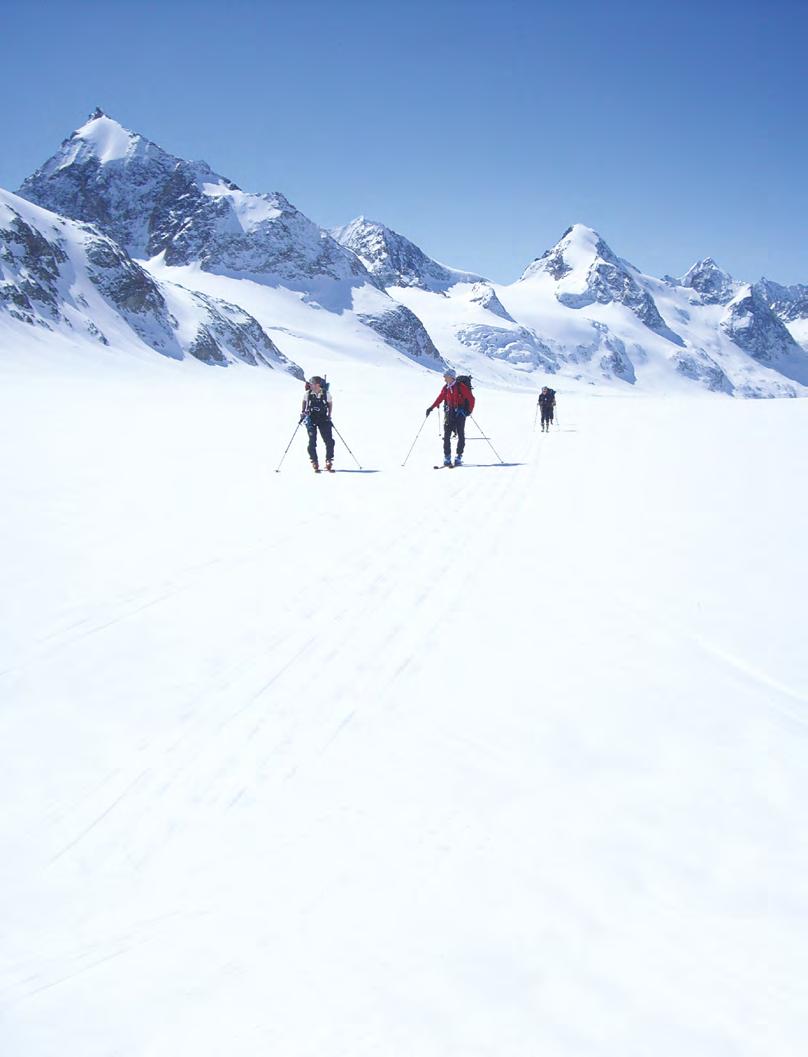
x: 498, y: 761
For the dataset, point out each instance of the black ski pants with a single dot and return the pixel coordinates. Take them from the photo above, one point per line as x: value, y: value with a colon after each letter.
x: 546, y: 416
x: 313, y: 423
x: 454, y: 422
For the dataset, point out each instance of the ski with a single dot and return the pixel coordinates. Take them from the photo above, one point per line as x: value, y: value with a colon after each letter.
x: 449, y: 467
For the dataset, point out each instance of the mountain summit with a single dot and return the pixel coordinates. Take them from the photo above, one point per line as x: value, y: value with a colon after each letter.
x: 395, y: 261
x: 585, y: 271
x: 152, y: 202
x: 716, y: 286
x: 154, y: 205
x: 752, y: 324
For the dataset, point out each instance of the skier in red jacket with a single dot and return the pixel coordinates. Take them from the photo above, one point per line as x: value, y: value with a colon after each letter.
x: 458, y: 401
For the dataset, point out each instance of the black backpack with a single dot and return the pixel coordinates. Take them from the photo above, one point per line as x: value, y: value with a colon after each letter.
x: 324, y: 386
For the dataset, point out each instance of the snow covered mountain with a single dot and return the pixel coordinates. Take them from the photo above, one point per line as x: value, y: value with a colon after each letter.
x: 581, y: 311
x: 754, y: 326
x: 159, y: 206
x: 152, y: 202
x: 65, y: 277
x: 790, y: 303
x: 394, y: 260
x: 715, y: 286
x: 585, y: 272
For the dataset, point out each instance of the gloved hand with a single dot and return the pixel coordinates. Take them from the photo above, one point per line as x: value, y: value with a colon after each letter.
x: 429, y: 410
x: 461, y: 412
x: 302, y: 419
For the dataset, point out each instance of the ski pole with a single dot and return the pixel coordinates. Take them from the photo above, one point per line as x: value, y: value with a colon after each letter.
x: 485, y: 437
x: 289, y: 445
x: 536, y: 416
x: 343, y: 441
x: 417, y: 435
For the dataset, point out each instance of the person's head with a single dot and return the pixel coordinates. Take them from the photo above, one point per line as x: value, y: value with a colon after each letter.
x: 315, y: 382
x: 544, y: 388
x: 449, y: 376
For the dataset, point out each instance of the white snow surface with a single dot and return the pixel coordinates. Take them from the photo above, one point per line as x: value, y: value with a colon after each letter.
x: 249, y: 210
x: 507, y: 760
x: 105, y: 138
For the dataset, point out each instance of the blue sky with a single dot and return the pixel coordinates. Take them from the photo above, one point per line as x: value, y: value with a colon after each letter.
x: 479, y: 130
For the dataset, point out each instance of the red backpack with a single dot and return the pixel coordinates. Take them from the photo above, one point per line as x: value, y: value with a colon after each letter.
x: 466, y: 380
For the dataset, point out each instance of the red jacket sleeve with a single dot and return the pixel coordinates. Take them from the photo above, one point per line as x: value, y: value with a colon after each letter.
x: 441, y: 397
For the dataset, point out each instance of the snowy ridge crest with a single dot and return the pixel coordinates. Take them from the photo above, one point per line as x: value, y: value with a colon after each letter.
x: 585, y: 271
x: 395, y: 261
x: 62, y: 276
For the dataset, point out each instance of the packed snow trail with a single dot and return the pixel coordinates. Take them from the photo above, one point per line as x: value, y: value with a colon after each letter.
x: 505, y: 761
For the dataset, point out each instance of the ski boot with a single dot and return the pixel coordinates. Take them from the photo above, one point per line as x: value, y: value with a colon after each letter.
x: 447, y: 461
x: 315, y: 467
x: 329, y: 465
x: 458, y: 460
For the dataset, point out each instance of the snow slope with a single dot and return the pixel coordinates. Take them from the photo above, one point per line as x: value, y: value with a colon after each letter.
x: 64, y: 285
x: 183, y: 214
x: 501, y: 761
x: 586, y: 314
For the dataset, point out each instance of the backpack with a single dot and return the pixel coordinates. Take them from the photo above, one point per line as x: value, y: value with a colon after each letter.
x: 466, y: 380
x: 324, y: 387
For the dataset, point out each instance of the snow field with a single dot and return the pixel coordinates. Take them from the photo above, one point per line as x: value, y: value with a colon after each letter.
x: 502, y: 760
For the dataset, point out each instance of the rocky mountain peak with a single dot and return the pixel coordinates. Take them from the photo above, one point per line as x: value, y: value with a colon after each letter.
x: 753, y: 326
x: 152, y: 202
x: 585, y: 270
x: 155, y: 204
x: 716, y: 286
x: 63, y: 277
x: 395, y: 261
x: 576, y: 251
x: 788, y: 302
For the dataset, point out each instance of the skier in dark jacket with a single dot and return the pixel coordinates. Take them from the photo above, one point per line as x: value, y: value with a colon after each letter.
x: 458, y: 403
x: 547, y: 399
x: 316, y: 414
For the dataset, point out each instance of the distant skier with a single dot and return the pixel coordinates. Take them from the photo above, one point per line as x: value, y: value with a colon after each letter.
x: 458, y: 403
x: 547, y: 401
x: 316, y: 414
